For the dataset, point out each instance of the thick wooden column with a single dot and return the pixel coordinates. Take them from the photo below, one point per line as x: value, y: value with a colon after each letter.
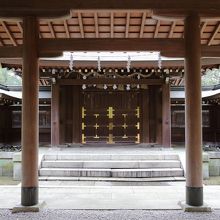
x: 193, y: 130
x: 55, y: 114
x: 30, y: 131
x: 166, y: 116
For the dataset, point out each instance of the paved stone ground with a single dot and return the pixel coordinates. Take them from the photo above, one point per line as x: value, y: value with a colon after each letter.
x: 109, y: 215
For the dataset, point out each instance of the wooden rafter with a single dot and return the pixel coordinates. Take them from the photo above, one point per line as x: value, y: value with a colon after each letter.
x: 215, y: 32
x: 143, y: 24
x: 1, y: 42
x: 170, y: 35
x: 50, y: 25
x: 157, y: 29
x: 127, y: 25
x: 112, y: 24
x: 96, y: 24
x: 20, y: 27
x: 203, y: 26
x: 66, y: 28
x: 79, y: 15
x: 4, y: 25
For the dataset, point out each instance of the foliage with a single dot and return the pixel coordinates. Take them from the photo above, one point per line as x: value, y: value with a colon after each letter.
x: 8, y: 78
x: 211, y: 77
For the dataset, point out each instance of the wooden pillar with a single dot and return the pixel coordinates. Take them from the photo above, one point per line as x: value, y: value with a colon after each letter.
x: 166, y: 116
x: 55, y: 114
x: 77, y: 120
x: 30, y: 129
x: 193, y: 112
x: 158, y: 107
x: 145, y: 116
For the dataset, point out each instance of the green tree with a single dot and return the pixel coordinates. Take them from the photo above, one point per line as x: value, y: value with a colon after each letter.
x: 8, y: 77
x: 211, y: 77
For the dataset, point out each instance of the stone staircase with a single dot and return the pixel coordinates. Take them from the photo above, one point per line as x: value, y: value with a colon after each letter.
x: 111, y: 167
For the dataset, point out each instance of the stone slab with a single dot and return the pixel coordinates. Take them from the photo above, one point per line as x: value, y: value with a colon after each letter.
x: 34, y: 208
x: 187, y: 208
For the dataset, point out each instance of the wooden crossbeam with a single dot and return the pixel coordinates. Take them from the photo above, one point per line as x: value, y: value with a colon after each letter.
x: 108, y: 81
x: 66, y: 28
x: 96, y: 24
x: 79, y: 15
x: 127, y: 25
x: 112, y: 24
x: 172, y: 29
x: 50, y: 25
x: 4, y: 25
x: 215, y: 32
x: 157, y: 29
x: 55, y: 47
x: 143, y: 23
x: 110, y: 44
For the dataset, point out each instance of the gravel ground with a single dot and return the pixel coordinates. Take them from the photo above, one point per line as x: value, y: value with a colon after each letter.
x: 108, y: 215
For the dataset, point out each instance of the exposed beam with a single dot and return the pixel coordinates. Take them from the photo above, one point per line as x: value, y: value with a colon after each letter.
x: 143, y: 23
x: 172, y: 29
x: 3, y: 23
x: 215, y: 32
x: 15, y: 63
x: 55, y: 47
x: 127, y: 25
x: 108, y: 44
x: 11, y: 52
x: 110, y: 4
x: 181, y: 14
x: 112, y: 24
x: 96, y: 25
x: 66, y: 28
x: 17, y: 13
x: 16, y: 52
x: 203, y: 26
x: 50, y: 25
x: 122, y: 81
x: 157, y: 29
x: 79, y: 15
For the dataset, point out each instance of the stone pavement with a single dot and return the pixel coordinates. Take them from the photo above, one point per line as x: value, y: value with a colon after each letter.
x: 110, y: 197
x: 109, y: 215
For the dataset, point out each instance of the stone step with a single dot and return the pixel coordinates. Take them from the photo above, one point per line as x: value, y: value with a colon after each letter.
x: 87, y: 157
x: 111, y: 179
x: 111, y: 164
x: 125, y: 173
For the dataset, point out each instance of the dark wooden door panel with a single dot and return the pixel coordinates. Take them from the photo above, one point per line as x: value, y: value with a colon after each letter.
x: 111, y: 117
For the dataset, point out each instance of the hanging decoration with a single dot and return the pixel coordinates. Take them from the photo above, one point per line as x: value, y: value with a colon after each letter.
x: 105, y: 86
x: 129, y: 64
x: 159, y: 61
x: 83, y: 86
x: 99, y: 64
x: 71, y: 61
x: 128, y: 87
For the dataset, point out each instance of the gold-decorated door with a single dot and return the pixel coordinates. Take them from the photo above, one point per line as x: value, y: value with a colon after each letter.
x: 110, y: 117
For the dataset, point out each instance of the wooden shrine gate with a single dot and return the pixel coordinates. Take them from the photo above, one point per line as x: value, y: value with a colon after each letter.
x: 111, y: 117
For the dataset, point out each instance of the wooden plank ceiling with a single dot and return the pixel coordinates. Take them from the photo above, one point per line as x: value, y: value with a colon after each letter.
x: 109, y: 24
